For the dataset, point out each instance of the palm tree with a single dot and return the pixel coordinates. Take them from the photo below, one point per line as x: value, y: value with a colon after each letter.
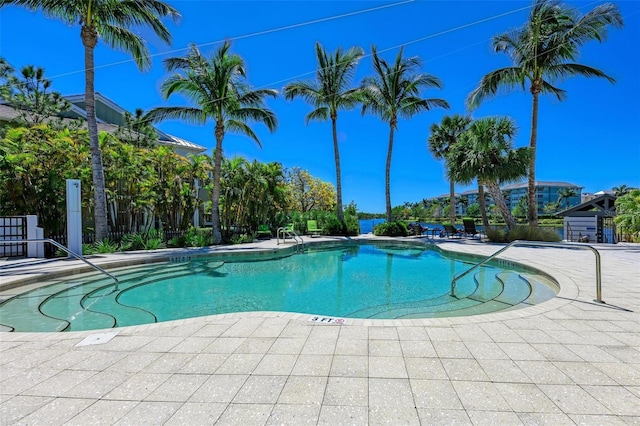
x: 486, y: 153
x: 108, y: 20
x: 442, y: 138
x: 392, y: 93
x: 543, y: 52
x: 329, y: 93
x: 619, y: 191
x: 564, y: 194
x: 218, y: 87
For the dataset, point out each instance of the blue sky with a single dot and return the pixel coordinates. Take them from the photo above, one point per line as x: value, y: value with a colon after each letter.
x: 592, y: 139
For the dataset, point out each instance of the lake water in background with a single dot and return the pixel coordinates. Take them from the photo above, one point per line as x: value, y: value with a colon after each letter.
x: 367, y: 225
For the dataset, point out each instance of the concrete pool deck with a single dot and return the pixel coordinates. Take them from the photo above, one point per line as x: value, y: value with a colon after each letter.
x: 565, y: 361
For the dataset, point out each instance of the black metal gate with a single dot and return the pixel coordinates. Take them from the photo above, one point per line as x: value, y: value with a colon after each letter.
x: 13, y: 228
x: 606, y: 232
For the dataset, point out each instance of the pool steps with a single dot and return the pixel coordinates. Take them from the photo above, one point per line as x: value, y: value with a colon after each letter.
x: 82, y: 305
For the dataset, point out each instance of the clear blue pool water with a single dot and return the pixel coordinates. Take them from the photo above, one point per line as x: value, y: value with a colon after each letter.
x: 352, y: 281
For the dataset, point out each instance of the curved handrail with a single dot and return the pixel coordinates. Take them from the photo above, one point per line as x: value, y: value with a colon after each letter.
x: 63, y: 248
x: 542, y: 244
x: 292, y: 234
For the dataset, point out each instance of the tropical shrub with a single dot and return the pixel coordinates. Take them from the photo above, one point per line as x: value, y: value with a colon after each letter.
x: 194, y: 237
x: 498, y: 234
x: 150, y: 240
x: 628, y: 215
x: 391, y: 229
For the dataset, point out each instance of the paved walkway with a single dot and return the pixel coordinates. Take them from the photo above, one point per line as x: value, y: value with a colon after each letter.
x: 566, y: 361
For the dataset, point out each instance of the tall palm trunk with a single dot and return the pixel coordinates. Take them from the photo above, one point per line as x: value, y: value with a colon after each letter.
x: 483, y: 206
x: 531, y: 190
x: 215, y: 197
x: 387, y: 173
x: 89, y: 37
x: 452, y: 196
x: 498, y: 198
x: 336, y: 153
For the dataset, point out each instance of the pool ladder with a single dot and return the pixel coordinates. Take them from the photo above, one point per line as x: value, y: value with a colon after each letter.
x: 290, y: 233
x: 598, y: 274
x: 69, y: 252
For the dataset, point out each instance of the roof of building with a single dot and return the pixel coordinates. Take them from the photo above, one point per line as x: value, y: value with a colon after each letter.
x: 602, y: 205
x: 163, y: 137
x: 105, y: 107
x: 538, y: 184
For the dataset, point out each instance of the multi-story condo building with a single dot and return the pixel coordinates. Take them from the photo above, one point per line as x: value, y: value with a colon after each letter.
x: 568, y: 194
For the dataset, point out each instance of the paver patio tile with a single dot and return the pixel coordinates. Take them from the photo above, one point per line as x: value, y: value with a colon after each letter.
x: 526, y: 398
x: 134, y: 362
x: 331, y: 415
x: 219, y: 388
x: 417, y: 348
x: 572, y: 399
x: 383, y: 333
x: 485, y: 350
x: 303, y: 390
x: 98, y: 385
x: 287, y: 346
x: 245, y: 415
x: 168, y: 363
x: 162, y: 344
x: 443, y: 417
x: 451, y: 349
x: 521, y: 352
x: 442, y: 334
x: 203, y: 363
x: 350, y: 366
x: 60, y: 383
x: 178, y: 388
x: 412, y: 333
x: 491, y: 418
x: 382, y: 348
x: 347, y: 346
x: 616, y: 399
x: 586, y: 420
x: 260, y: 390
x: 103, y: 412
x: 591, y: 353
x: 503, y: 371
x: 17, y: 407
x: 313, y: 365
x: 224, y: 345
x: 390, y: 392
x: 347, y: 391
x: 319, y: 347
x: 255, y: 345
x: 272, y: 364
x: 538, y: 419
x: 543, y: 372
x: 387, y: 366
x: 240, y: 364
x: 464, y: 370
x: 58, y: 411
x: 137, y: 387
x: 425, y: 368
x: 192, y: 413
x: 583, y: 373
x: 480, y: 396
x: 435, y: 394
x: 623, y: 374
x: 390, y: 415
x: 289, y: 414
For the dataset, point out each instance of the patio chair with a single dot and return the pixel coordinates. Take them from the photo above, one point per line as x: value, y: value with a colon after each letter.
x: 312, y: 227
x: 417, y: 229
x: 263, y: 232
x: 451, y: 231
x: 470, y: 228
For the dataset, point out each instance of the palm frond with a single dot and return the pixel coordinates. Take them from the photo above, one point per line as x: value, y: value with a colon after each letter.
x: 188, y: 114
x: 507, y: 78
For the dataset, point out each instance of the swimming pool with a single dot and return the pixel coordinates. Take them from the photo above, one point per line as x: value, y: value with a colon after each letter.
x: 346, y: 280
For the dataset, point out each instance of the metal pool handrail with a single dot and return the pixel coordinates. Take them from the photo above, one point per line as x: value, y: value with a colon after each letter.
x: 63, y: 248
x: 542, y: 244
